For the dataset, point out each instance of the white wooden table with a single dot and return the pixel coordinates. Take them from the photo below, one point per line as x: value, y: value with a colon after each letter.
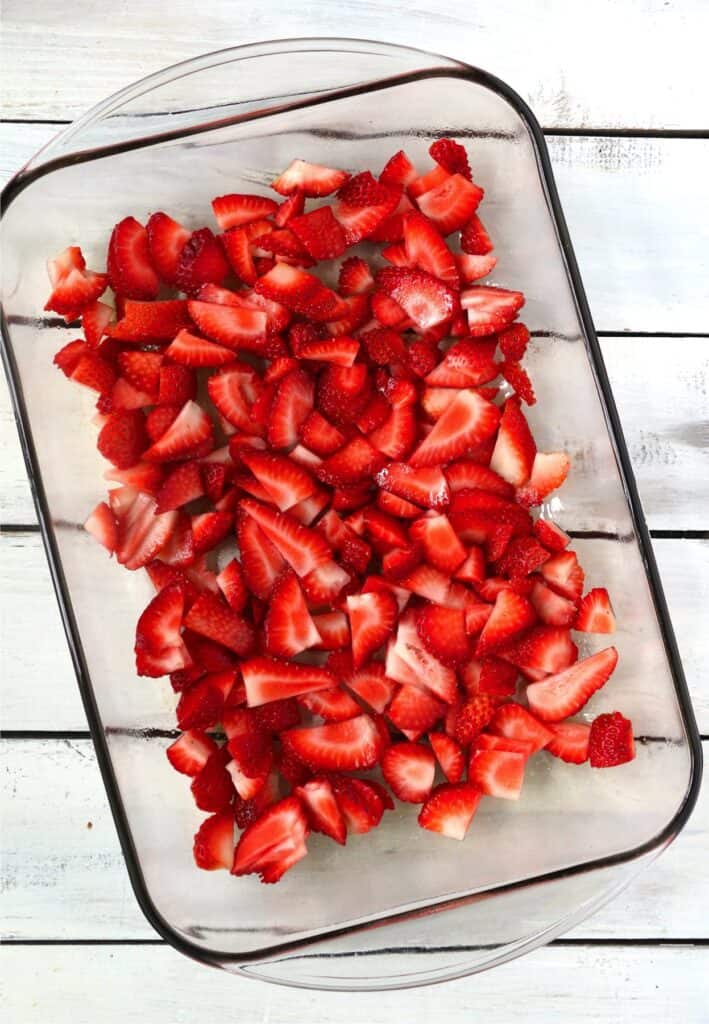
x: 620, y: 86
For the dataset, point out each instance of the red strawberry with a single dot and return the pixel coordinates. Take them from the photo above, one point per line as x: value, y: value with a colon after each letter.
x: 267, y: 679
x: 212, y: 789
x: 449, y: 755
x: 123, y: 438
x: 610, y: 741
x: 274, y: 842
x: 201, y: 705
x: 388, y: 312
x: 190, y: 752
x: 450, y: 809
x: 159, y: 419
x: 341, y: 351
x: 286, y: 483
x: 289, y: 628
x: 360, y: 802
x: 595, y: 613
x: 277, y: 715
x: 311, y: 179
x: 518, y: 378
x: 570, y: 741
x: 551, y: 536
x: 334, y: 630
x: 371, y: 686
x: 511, y: 614
x: 497, y: 772
x: 211, y: 617
x: 355, y: 277
x: 425, y: 249
x: 93, y: 372
x: 302, y: 547
x: 142, y: 370
x: 429, y: 583
x: 476, y: 615
x: 357, y: 461
x: 472, y: 718
x: 291, y: 207
x: 565, y: 693
x: 201, y: 261
x: 515, y: 450
x: 442, y: 631
x: 363, y: 203
x: 177, y: 385
x: 414, y: 711
x: 343, y: 392
x: 236, y: 327
x: 489, y: 309
x: 351, y: 314
x: 322, y: 809
x: 426, y: 486
x: 232, y: 585
x: 319, y: 232
x: 298, y: 291
x: 75, y: 289
x: 214, y: 842
x: 396, y: 506
x: 543, y: 649
x: 130, y: 271
x: 191, y: 428
x: 335, y: 705
x: 552, y: 608
x: 564, y: 574
x: 467, y: 421
x: 283, y: 243
x: 422, y: 297
x: 291, y: 405
x: 474, y: 239
x: 182, y: 485
x: 209, y: 528
x: 442, y: 548
x: 158, y: 627
x: 384, y: 531
x: 516, y: 723
x: 237, y: 249
x: 67, y: 358
x: 233, y: 392
x: 451, y: 156
x: 473, y: 268
x: 372, y: 620
x: 338, y: 746
x: 235, y: 209
x: 451, y: 204
x: 398, y: 170
x: 102, y: 525
x: 384, y: 346
x: 468, y: 475
x: 468, y: 363
x: 409, y: 769
x: 166, y: 240
x: 522, y: 556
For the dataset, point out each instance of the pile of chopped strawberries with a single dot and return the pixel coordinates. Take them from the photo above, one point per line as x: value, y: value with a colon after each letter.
x: 334, y: 490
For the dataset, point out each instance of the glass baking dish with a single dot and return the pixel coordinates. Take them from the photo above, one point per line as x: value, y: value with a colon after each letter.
x: 400, y: 906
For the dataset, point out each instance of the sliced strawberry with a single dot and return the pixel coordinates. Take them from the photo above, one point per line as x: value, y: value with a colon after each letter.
x: 409, y: 769
x: 384, y: 531
x: 516, y: 723
x: 388, y: 312
x: 360, y: 802
x: 130, y: 271
x: 414, y: 711
x: 371, y: 686
x: 522, y: 556
x: 610, y: 741
x: 291, y: 207
x: 277, y: 715
x: 570, y: 741
x: 474, y: 239
x: 291, y: 405
x: 398, y: 170
x: 235, y: 209
x: 178, y: 385
x: 334, y: 630
x: 158, y: 627
x: 372, y: 620
x: 267, y: 679
x: 289, y: 628
x: 357, y: 461
x: 235, y: 327
x: 67, y: 358
x: 490, y: 309
x: 467, y: 421
x: 237, y: 249
x: 468, y: 475
x: 355, y: 277
x: 335, y: 705
x: 472, y: 268
x: 209, y: 528
x: 395, y: 437
x: 166, y: 240
x: 450, y: 809
x: 515, y: 450
x: 451, y: 204
x: 319, y: 232
x: 102, y: 525
x: 449, y: 755
x: 468, y: 363
x: 286, y: 483
x: 210, y: 616
x: 565, y: 693
x: 551, y: 536
x: 595, y: 613
x: 442, y: 631
x: 201, y: 261
x: 497, y: 772
x: 323, y: 812
x: 298, y: 291
x: 565, y: 575
x: 548, y: 472
x: 472, y: 569
x: 451, y: 156
x: 341, y: 351
x: 312, y: 180
x: 201, y: 705
x: 425, y: 249
x: 214, y: 842
x: 511, y: 614
x: 543, y: 649
x: 191, y: 428
x: 323, y: 585
x: 426, y: 486
x: 123, y: 438
x: 232, y: 585
x: 552, y: 608
x: 190, y: 752
x: 182, y: 485
x: 93, y: 372
x: 142, y: 370
x: 274, y: 842
x: 422, y: 297
x: 338, y: 746
x: 430, y: 583
x: 233, y: 392
x: 442, y: 548
x: 75, y: 291
x: 362, y: 204
x: 343, y: 392
x: 472, y: 717
x: 212, y: 788
x: 518, y: 378
x: 396, y: 506
x: 351, y: 314
x: 304, y: 549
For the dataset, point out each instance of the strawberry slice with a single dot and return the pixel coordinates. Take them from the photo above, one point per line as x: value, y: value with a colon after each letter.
x: 182, y: 485
x: 312, y: 180
x: 414, y: 711
x: 323, y: 585
x: 409, y: 769
x: 298, y: 291
x: 130, y: 271
x: 422, y: 297
x: 320, y: 233
x: 166, y: 240
x: 426, y: 486
x: 398, y: 170
x: 514, y: 453
x: 450, y: 809
x: 442, y: 548
x: 548, y: 472
x: 341, y: 351
x: 291, y: 405
x: 490, y: 309
x: 552, y: 608
x: 212, y: 788
x: 234, y: 326
x: 177, y: 385
x: 267, y: 679
x: 362, y: 204
x: 210, y: 616
x: 190, y: 752
x: 467, y: 475
x: 201, y: 261
x: 472, y: 268
x: 237, y: 249
x: 425, y: 249
x: 472, y: 717
x: 260, y: 560
x: 467, y: 421
x: 543, y: 649
x: 304, y: 549
x: 610, y: 741
x: 570, y: 741
x: 94, y: 321
x: 516, y: 723
x: 551, y: 536
x: 319, y: 435
x: 355, y: 277
x: 102, y: 525
x: 142, y: 370
x: 468, y: 363
x: 209, y: 528
x: 291, y: 207
x: 595, y: 614
x: 274, y: 842
x: 451, y: 204
x: 357, y: 461
x: 565, y: 693
x: 449, y: 755
x: 232, y: 585
x: 289, y: 628
x: 497, y: 772
x: 372, y: 687
x: 214, y: 842
x: 233, y: 392
x: 286, y: 482
x: 361, y: 803
x: 335, y: 705
x: 159, y: 625
x: 521, y: 557
x: 338, y: 746
x: 75, y: 289
x: 510, y: 615
x: 190, y: 350
x: 190, y: 429
x: 372, y: 620
x: 321, y: 807
x: 123, y: 438
x: 565, y: 575
x: 474, y: 239
x: 236, y: 208
x: 442, y: 631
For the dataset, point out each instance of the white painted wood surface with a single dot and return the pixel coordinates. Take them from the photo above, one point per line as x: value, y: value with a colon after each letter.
x: 634, y: 207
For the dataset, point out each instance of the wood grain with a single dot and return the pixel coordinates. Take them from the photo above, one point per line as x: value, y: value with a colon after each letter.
x: 69, y: 858
x: 42, y: 692
x: 572, y: 75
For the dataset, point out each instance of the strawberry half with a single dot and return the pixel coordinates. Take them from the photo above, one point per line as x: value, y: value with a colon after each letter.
x: 372, y: 620
x: 190, y: 752
x: 449, y: 809
x: 274, y: 842
x: 467, y: 421
x: 288, y: 626
x: 321, y: 807
x: 267, y: 679
x: 595, y: 614
x: 338, y: 746
x: 409, y: 769
x: 565, y: 693
x: 130, y: 271
x: 570, y: 741
x: 497, y: 772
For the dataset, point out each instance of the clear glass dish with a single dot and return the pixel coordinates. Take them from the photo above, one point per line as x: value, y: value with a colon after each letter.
x: 400, y: 906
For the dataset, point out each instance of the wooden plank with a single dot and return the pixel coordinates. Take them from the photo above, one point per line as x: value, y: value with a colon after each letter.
x: 641, y: 248
x: 46, y: 696
x: 543, y: 51
x: 661, y: 387
x: 587, y: 985
x: 69, y: 857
